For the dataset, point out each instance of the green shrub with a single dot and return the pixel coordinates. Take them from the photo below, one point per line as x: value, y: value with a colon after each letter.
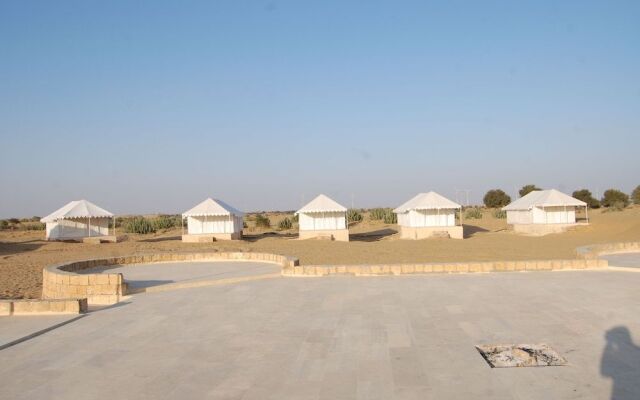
x: 353, y: 215
x: 390, y: 217
x: 295, y: 218
x: 377, y: 214
x: 496, y: 198
x: 32, y: 226
x: 635, y: 195
x: 613, y: 196
x: 138, y: 225
x: 586, y: 196
x: 499, y: 214
x: 526, y: 189
x: 617, y: 206
x: 473, y: 213
x: 14, y: 221
x: 4, y: 224
x: 263, y: 221
x: 164, y: 222
x: 285, y: 224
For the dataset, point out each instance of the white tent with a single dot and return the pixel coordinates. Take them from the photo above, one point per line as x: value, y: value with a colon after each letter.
x: 544, y: 207
x: 323, y: 217
x: 77, y: 220
x: 428, y: 214
x: 213, y: 218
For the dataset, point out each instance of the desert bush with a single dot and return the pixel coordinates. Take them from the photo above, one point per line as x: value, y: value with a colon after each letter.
x: 14, y: 221
x: 32, y: 226
x: 526, y: 189
x: 390, y: 217
x: 353, y: 215
x: 4, y: 224
x: 295, y: 218
x: 285, y: 224
x: 473, y: 213
x: 635, y: 195
x: 586, y: 196
x: 376, y: 214
x: 164, y: 222
x: 496, y: 198
x: 138, y: 225
x: 263, y: 221
x: 613, y: 196
x: 617, y: 206
x: 499, y: 214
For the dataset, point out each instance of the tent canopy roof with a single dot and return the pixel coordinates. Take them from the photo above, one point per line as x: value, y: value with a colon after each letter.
x: 77, y: 209
x: 211, y: 208
x: 427, y: 201
x: 544, y: 198
x: 321, y: 204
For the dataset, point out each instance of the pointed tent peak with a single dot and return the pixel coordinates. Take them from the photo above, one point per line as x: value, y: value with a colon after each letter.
x: 427, y: 201
x: 322, y: 203
x: 77, y: 209
x: 544, y: 198
x: 212, y: 207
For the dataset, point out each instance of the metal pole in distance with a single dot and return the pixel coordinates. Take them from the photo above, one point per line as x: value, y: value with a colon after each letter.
x: 89, y: 226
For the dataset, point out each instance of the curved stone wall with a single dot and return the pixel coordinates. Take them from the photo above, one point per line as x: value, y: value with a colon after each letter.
x: 62, y: 281
x: 593, y: 251
x: 428, y: 268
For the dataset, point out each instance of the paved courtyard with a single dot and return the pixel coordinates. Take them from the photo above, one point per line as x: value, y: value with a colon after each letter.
x: 148, y: 275
x: 409, y: 337
x: 627, y: 260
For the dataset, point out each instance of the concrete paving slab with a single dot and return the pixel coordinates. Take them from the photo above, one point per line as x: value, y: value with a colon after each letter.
x: 626, y: 260
x: 15, y: 329
x: 404, y: 337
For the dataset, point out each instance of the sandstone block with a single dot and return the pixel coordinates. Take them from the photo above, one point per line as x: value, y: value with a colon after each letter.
x: 6, y: 307
x: 407, y: 269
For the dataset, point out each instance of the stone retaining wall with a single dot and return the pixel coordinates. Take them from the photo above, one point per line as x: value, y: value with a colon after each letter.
x: 62, y: 281
x: 593, y: 251
x: 428, y: 268
x: 31, y: 307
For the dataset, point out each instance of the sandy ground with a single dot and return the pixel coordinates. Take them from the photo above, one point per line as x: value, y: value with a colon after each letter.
x: 24, y: 254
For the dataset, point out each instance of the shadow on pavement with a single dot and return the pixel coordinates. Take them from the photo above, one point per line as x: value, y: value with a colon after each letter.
x: 621, y: 362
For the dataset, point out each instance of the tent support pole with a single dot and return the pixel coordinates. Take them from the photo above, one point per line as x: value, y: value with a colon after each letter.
x: 586, y: 213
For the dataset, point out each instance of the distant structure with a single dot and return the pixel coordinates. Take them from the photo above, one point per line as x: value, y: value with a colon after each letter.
x: 544, y: 211
x: 80, y: 220
x: 429, y: 215
x: 322, y: 217
x: 212, y: 220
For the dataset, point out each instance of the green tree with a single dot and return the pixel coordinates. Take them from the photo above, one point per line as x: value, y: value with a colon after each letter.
x: 496, y: 198
x: 613, y: 196
x: 526, y: 189
x: 635, y: 195
x: 586, y: 196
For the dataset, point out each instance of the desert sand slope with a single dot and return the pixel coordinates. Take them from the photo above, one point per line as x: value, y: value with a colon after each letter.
x: 24, y: 254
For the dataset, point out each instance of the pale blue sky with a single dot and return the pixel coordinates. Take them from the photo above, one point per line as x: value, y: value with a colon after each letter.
x: 152, y: 106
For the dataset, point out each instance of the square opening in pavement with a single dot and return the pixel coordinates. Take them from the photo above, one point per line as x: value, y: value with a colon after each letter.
x: 520, y: 355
